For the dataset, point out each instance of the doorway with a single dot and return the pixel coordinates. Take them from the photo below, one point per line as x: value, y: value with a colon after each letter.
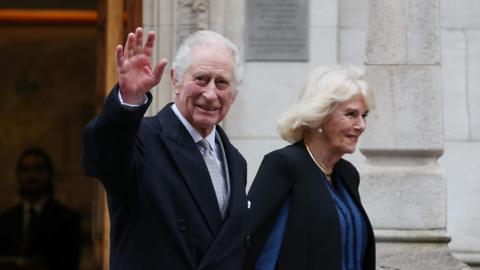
x: 56, y: 69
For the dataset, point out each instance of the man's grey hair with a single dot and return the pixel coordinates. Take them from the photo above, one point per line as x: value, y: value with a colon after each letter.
x: 205, y: 38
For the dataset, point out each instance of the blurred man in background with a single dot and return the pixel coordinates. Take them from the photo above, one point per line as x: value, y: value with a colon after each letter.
x: 38, y: 232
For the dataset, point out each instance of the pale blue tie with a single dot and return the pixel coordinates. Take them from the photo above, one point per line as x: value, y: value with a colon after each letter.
x: 216, y: 175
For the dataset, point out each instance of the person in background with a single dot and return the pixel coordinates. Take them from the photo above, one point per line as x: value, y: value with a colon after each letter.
x: 305, y: 205
x: 175, y: 183
x: 40, y: 231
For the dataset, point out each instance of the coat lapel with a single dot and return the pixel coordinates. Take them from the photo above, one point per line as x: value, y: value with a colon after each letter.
x: 347, y: 179
x: 312, y: 216
x: 191, y: 166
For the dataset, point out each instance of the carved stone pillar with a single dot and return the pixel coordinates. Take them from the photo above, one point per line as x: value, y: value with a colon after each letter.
x: 159, y: 16
x: 403, y: 187
x: 172, y: 20
x: 191, y: 16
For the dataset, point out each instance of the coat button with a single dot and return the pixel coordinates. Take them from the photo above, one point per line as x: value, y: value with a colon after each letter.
x: 247, y: 240
x: 182, y: 224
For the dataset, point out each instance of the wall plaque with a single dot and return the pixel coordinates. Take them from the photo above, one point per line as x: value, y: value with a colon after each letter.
x: 277, y: 30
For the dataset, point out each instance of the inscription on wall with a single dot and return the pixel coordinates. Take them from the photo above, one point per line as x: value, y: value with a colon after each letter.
x: 192, y: 15
x: 277, y: 30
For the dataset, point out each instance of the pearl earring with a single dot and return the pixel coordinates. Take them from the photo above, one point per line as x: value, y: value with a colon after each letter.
x: 320, y: 130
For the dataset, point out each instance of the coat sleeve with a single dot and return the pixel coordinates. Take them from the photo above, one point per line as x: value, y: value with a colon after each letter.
x: 270, y: 189
x: 110, y: 143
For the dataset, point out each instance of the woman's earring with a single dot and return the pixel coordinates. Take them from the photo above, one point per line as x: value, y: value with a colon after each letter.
x: 320, y: 130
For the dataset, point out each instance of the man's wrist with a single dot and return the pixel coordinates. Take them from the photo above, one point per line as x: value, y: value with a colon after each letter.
x: 145, y: 100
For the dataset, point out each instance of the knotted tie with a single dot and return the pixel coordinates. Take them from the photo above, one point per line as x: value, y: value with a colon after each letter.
x: 215, y: 171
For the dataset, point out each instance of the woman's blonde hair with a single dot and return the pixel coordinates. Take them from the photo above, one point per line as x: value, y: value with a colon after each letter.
x: 324, y: 89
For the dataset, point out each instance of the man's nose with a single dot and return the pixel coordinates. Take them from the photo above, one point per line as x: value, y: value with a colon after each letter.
x: 210, y: 90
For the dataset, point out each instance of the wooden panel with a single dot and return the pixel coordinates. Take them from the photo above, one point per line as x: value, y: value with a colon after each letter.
x: 111, y: 21
x: 134, y: 14
x: 115, y: 35
x: 116, y: 18
x: 100, y: 227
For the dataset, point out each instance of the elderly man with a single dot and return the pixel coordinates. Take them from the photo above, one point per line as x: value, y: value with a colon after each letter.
x: 175, y: 183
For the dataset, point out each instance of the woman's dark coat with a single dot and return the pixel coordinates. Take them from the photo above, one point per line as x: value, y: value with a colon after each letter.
x: 312, y: 237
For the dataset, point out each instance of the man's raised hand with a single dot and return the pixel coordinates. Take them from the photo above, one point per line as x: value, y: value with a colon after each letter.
x: 135, y: 74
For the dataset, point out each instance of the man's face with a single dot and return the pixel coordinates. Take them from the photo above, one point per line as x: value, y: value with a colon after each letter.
x: 33, y: 177
x: 207, y: 89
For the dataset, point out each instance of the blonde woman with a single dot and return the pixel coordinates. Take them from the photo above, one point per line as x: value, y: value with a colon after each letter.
x: 305, y: 206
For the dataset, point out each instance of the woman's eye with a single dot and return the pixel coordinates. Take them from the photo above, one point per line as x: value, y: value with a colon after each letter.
x: 351, y: 114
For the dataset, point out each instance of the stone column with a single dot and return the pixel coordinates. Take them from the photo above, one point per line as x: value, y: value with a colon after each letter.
x: 172, y: 20
x: 403, y: 187
x: 159, y: 16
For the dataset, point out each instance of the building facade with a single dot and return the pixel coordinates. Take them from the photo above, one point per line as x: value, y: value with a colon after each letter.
x: 338, y: 34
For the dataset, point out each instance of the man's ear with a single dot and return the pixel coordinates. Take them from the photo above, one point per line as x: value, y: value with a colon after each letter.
x: 175, y: 85
x: 235, y: 92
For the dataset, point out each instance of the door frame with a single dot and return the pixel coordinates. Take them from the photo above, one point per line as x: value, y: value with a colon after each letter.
x: 116, y: 18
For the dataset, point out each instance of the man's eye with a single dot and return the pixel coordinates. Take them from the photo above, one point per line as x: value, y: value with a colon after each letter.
x: 222, y: 84
x: 202, y: 80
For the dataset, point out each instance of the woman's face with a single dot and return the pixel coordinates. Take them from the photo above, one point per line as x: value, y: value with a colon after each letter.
x: 343, y: 128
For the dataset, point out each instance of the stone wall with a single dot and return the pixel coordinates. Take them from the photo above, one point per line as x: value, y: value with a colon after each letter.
x: 460, y: 34
x: 461, y: 88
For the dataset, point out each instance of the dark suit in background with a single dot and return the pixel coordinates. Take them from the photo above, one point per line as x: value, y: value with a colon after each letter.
x: 56, y: 239
x: 39, y: 233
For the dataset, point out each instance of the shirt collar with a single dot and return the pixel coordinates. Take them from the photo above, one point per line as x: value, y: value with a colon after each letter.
x: 37, y: 206
x: 192, y: 131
